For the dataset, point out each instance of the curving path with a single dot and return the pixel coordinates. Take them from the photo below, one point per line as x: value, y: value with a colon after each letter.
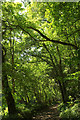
x: 50, y: 113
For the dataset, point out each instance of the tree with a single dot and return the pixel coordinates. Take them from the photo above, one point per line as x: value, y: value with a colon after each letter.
x: 8, y: 41
x: 42, y: 46
x: 27, y: 28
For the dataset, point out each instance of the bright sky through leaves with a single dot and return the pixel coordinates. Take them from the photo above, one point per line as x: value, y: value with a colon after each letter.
x: 17, y: 0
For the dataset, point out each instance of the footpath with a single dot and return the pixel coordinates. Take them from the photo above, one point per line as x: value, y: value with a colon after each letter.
x: 50, y: 113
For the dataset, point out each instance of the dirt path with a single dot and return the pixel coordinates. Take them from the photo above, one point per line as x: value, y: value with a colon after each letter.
x: 50, y: 113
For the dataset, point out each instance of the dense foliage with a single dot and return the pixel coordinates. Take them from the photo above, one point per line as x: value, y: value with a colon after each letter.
x: 41, y: 57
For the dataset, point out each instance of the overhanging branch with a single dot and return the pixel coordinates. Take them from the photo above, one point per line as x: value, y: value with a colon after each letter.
x: 45, y: 60
x: 44, y: 36
x: 48, y: 39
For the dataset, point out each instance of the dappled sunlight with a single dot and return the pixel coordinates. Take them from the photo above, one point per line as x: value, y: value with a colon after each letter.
x: 40, y: 60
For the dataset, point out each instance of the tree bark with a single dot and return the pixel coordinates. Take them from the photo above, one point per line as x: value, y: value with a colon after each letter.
x: 6, y: 88
x: 63, y: 92
x: 8, y: 95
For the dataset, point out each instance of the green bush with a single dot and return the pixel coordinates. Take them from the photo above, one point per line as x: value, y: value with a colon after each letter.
x: 69, y: 111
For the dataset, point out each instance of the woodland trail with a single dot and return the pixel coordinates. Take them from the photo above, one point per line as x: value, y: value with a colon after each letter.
x: 50, y: 113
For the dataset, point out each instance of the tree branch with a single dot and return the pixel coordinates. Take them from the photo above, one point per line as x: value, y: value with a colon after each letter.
x: 54, y: 41
x: 50, y: 56
x: 45, y: 60
x: 45, y: 37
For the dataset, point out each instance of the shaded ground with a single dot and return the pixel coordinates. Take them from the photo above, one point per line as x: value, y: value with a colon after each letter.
x: 50, y: 113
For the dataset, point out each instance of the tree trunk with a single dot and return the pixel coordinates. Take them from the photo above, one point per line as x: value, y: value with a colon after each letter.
x: 13, y: 81
x: 79, y: 74
x: 6, y: 88
x: 63, y: 92
x: 8, y: 96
